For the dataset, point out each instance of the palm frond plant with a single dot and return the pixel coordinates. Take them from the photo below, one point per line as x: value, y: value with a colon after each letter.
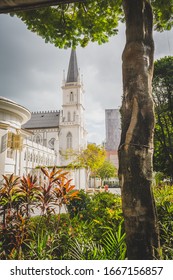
x: 166, y: 233
x: 85, y: 249
x: 111, y: 245
x: 164, y: 203
x: 114, y: 243
x: 42, y: 246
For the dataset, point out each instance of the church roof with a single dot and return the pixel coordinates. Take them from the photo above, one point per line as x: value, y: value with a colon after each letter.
x: 73, y: 72
x: 43, y: 120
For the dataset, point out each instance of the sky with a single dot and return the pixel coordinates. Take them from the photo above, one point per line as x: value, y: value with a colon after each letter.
x: 31, y: 72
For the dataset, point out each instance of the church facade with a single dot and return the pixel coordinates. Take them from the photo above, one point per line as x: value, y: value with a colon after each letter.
x: 49, y: 138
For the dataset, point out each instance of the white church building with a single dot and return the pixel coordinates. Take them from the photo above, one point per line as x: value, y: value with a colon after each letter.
x: 29, y: 140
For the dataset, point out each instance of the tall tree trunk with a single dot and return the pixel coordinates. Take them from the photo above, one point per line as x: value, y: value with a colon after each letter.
x: 136, y: 146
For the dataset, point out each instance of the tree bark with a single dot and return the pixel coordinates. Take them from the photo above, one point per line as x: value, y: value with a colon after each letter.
x: 136, y: 146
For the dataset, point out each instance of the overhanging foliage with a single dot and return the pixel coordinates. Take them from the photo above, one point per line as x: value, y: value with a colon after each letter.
x: 76, y: 22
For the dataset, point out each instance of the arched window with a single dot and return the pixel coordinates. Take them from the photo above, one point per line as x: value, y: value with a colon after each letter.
x: 37, y: 139
x: 74, y: 116
x: 68, y: 117
x: 71, y: 96
x: 29, y: 156
x: 69, y: 140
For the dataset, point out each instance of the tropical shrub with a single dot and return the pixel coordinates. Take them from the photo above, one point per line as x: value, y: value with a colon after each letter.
x: 93, y: 219
x: 81, y: 206
x: 164, y: 202
x: 93, y: 227
x: 19, y: 198
x: 41, y: 246
x: 103, y: 206
x: 110, y: 246
x: 106, y: 210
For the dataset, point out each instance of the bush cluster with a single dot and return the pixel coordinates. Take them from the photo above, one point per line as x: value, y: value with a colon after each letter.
x: 19, y: 198
x: 164, y: 203
x: 92, y: 228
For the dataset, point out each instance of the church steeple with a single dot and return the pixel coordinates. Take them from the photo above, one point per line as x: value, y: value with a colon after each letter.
x: 73, y: 73
x: 72, y: 116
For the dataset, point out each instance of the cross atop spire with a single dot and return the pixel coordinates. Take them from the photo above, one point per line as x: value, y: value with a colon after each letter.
x: 73, y: 73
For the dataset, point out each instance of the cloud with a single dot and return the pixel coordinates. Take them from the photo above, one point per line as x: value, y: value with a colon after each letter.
x: 163, y: 44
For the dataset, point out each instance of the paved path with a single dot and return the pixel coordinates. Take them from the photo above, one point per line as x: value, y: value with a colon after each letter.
x: 111, y: 190
x: 115, y: 190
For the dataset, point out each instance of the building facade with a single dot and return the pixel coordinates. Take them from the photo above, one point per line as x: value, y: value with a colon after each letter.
x: 113, y: 133
x: 49, y: 138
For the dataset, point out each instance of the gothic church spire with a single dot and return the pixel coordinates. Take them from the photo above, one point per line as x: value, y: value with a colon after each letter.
x: 73, y: 73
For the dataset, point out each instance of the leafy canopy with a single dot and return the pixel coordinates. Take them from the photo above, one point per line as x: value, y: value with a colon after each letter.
x: 106, y: 170
x: 163, y: 97
x: 75, y: 24
x: 68, y: 25
x: 91, y: 158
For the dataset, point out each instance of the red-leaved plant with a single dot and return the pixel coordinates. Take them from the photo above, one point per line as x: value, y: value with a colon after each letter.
x: 18, y: 200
